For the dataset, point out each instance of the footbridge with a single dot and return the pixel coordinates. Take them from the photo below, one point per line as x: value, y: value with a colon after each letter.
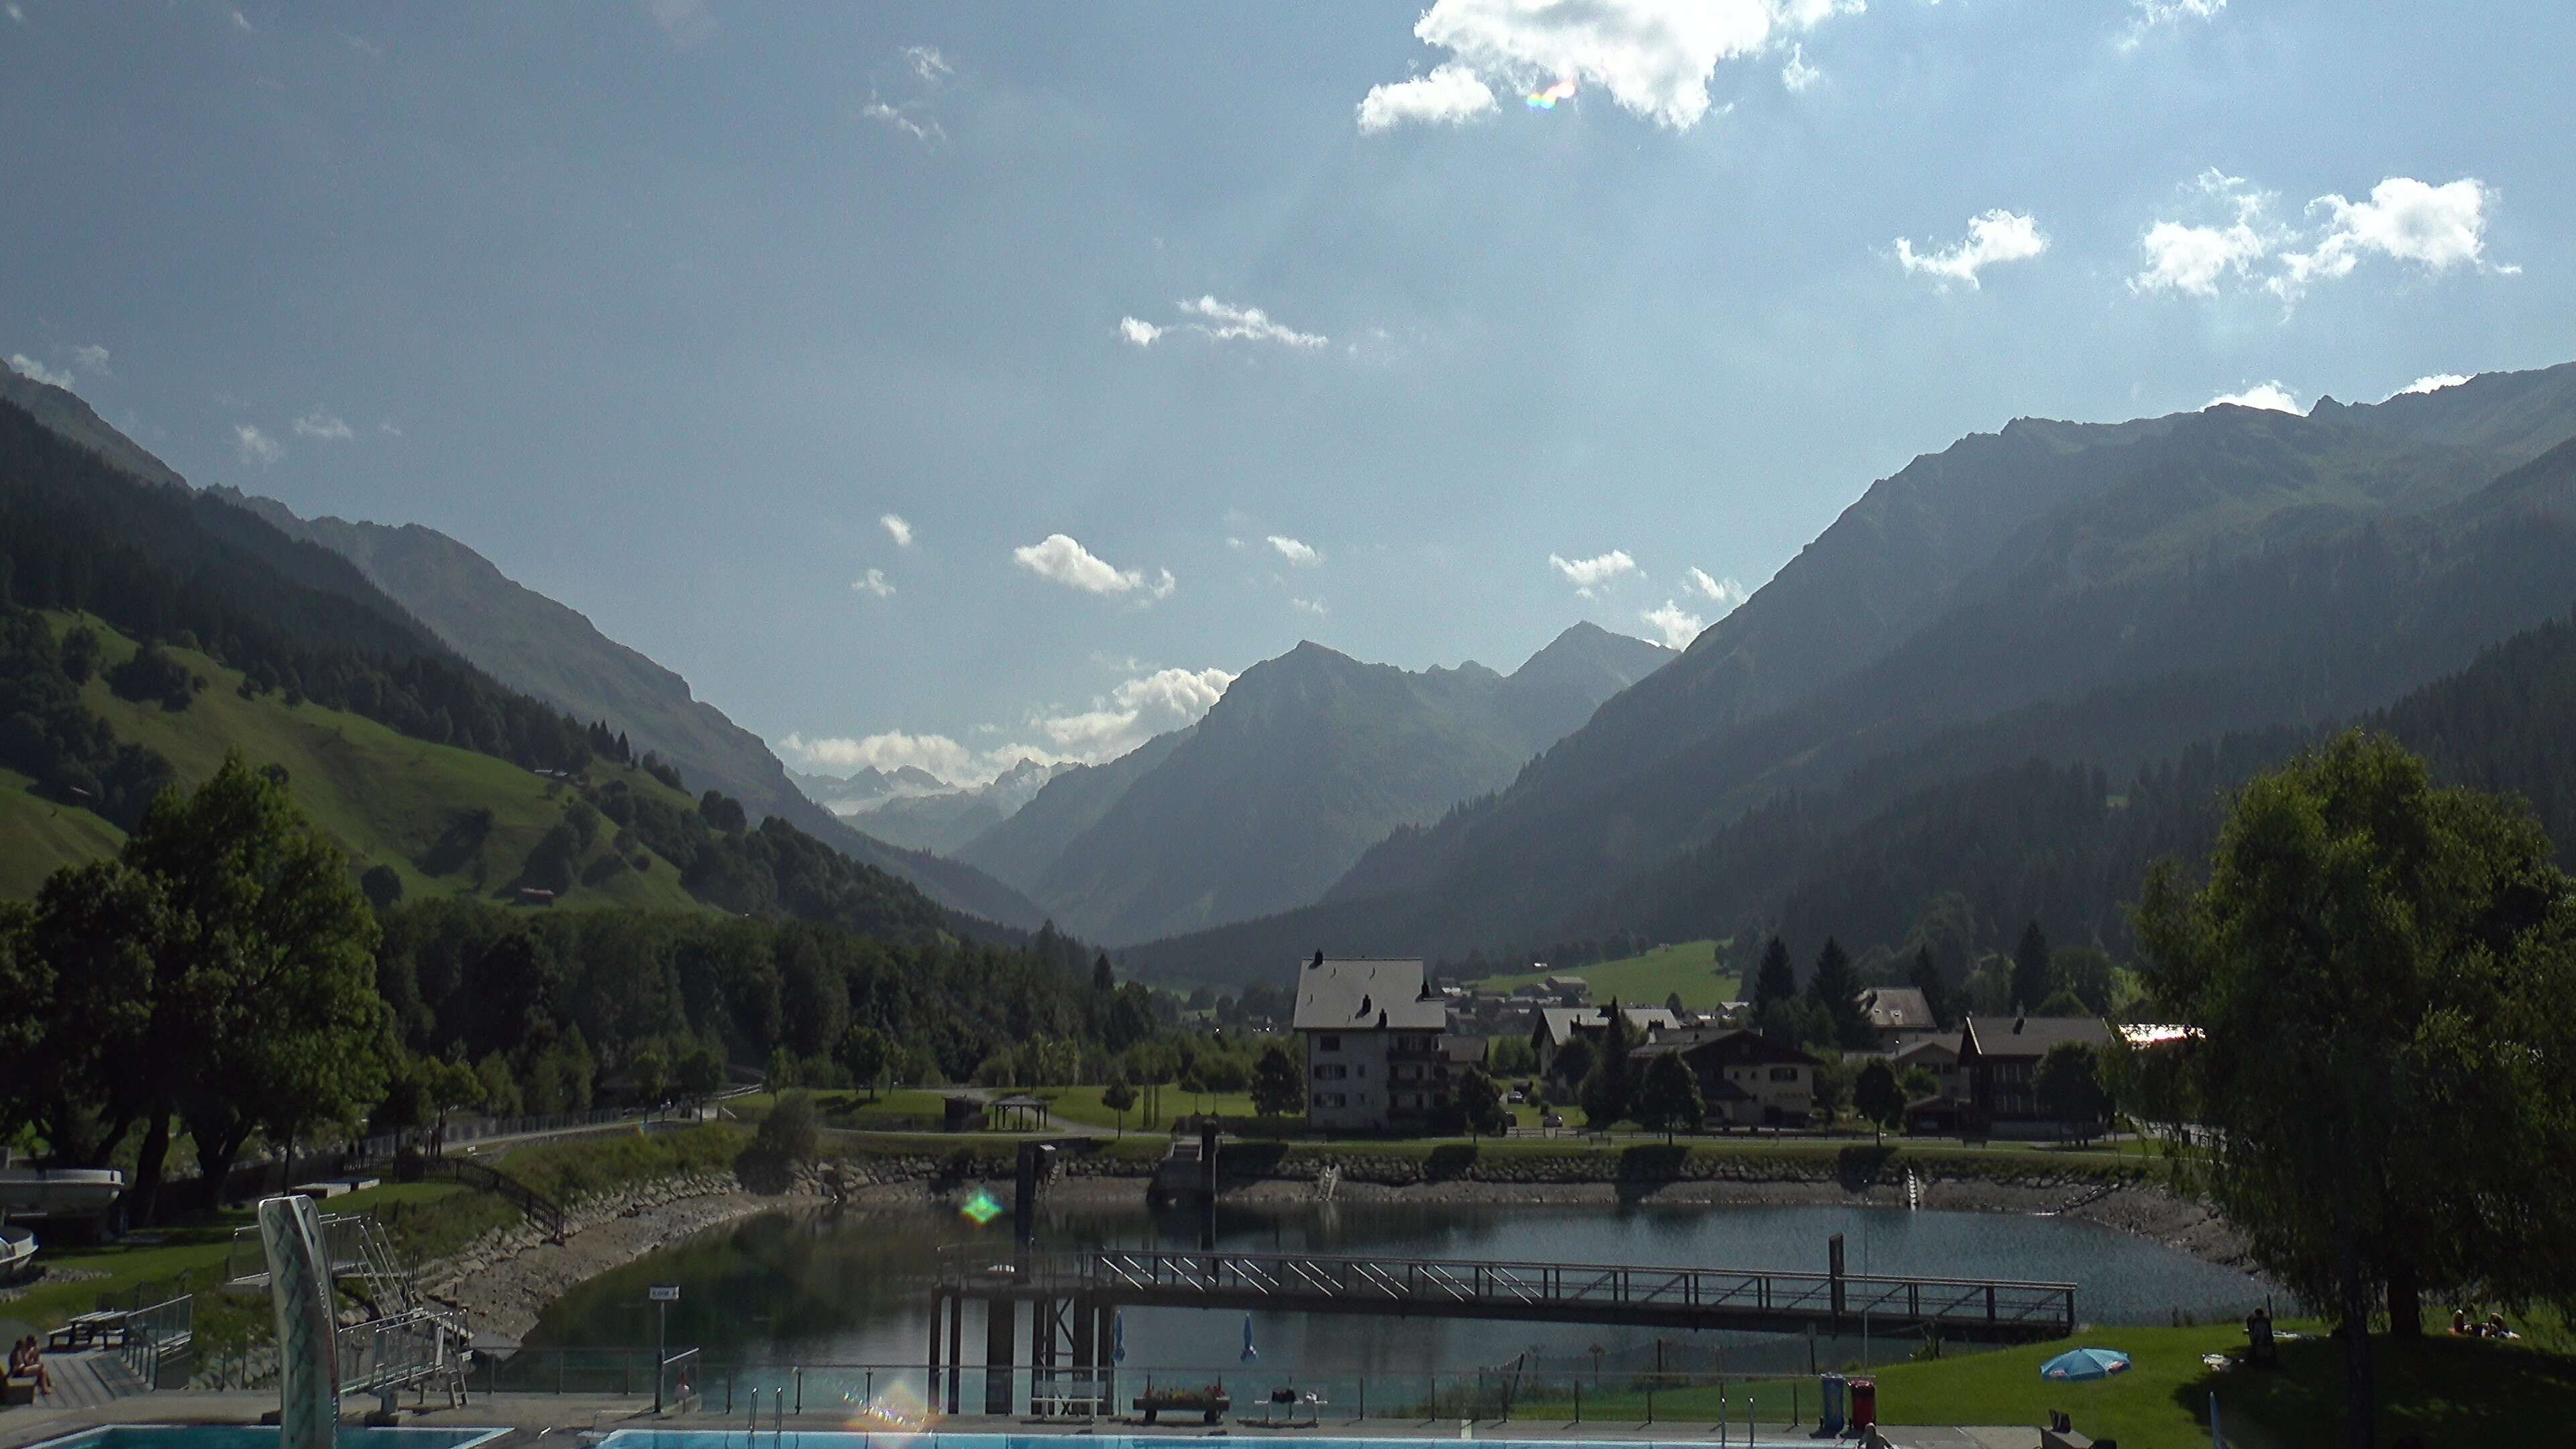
x: 1072, y: 1297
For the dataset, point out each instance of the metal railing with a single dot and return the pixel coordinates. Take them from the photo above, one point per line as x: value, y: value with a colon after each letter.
x: 1561, y: 1291
x: 159, y: 1339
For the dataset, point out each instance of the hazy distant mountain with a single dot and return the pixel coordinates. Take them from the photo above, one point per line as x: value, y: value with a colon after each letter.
x: 945, y: 819
x: 2097, y: 592
x: 866, y: 786
x: 1307, y: 759
x: 64, y: 412
x: 1020, y: 849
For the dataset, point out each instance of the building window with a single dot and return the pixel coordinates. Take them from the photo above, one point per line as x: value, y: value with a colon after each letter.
x: 1328, y: 1043
x: 1331, y: 1072
x: 1784, y: 1074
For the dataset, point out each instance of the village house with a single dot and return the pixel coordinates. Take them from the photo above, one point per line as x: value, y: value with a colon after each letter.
x: 1897, y: 1013
x: 1746, y: 1079
x: 2000, y: 1058
x: 1551, y: 1027
x: 1375, y: 1059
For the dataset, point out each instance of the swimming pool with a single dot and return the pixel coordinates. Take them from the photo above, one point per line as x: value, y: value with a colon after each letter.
x: 256, y: 1436
x: 849, y: 1439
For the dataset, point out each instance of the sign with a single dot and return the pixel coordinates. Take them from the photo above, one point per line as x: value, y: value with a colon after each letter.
x: 662, y: 1293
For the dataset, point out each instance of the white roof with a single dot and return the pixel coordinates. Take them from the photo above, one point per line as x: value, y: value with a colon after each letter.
x: 1366, y: 994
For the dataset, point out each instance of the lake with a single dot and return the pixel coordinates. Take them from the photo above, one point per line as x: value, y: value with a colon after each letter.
x: 852, y: 1287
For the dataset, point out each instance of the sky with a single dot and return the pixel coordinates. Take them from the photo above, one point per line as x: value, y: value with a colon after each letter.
x: 953, y: 382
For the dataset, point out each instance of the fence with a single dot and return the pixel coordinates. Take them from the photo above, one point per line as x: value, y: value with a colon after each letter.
x: 897, y: 1394
x: 158, y: 1341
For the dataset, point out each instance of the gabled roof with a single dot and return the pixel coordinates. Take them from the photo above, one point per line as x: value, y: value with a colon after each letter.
x: 1562, y: 1022
x: 1929, y: 1045
x: 1466, y: 1051
x: 2029, y: 1036
x: 1897, y: 1008
x: 1366, y: 993
x: 1729, y: 1044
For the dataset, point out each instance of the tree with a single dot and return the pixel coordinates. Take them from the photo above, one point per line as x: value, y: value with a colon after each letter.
x: 1480, y: 1102
x: 2069, y: 1082
x: 1278, y: 1083
x: 1833, y: 1085
x: 1924, y: 975
x: 1103, y: 980
x: 2378, y: 970
x: 700, y: 1073
x: 1120, y: 1098
x: 1919, y: 1084
x: 1612, y: 1087
x: 1573, y: 1062
x: 786, y: 1137
x: 2086, y: 973
x: 1834, y: 990
x: 1669, y: 1097
x: 1673, y: 1003
x: 383, y: 888
x: 2034, y: 975
x: 651, y: 1073
x: 1878, y: 1098
x: 1776, y: 979
x: 862, y: 1052
x: 1510, y: 1056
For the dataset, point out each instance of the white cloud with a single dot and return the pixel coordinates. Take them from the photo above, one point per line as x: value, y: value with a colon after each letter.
x: 1588, y: 574
x: 1653, y: 58
x: 2438, y: 228
x: 1299, y: 555
x: 897, y: 529
x: 923, y: 131
x: 1451, y: 95
x: 256, y: 446
x: 1677, y: 625
x: 2149, y: 16
x: 1232, y: 542
x: 1135, y: 710
x: 387, y: 428
x: 2270, y: 396
x: 684, y: 22
x: 1718, y: 591
x: 1227, y: 322
x: 1993, y: 237
x: 91, y: 359
x: 928, y: 64
x: 873, y: 582
x: 1797, y: 75
x: 1058, y: 559
x: 1138, y: 332
x: 892, y: 750
x: 2433, y: 382
x: 25, y: 366
x: 1309, y: 606
x: 319, y: 424
x: 241, y: 21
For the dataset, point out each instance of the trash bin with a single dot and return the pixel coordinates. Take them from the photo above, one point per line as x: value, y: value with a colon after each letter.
x: 1829, y: 1404
x: 1864, y: 1404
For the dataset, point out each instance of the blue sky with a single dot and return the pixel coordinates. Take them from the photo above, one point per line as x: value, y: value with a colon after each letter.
x: 1174, y: 334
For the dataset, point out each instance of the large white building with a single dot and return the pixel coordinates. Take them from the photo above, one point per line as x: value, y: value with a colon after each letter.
x: 1374, y: 1059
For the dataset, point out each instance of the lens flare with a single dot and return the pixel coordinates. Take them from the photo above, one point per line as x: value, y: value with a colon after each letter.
x: 980, y: 1209
x: 1546, y: 100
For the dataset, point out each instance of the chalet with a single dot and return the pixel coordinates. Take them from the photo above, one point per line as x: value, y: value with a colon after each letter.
x: 1936, y: 1052
x: 1896, y: 1012
x: 2000, y: 1057
x: 1747, y: 1079
x: 1374, y: 1053
x: 1551, y: 1027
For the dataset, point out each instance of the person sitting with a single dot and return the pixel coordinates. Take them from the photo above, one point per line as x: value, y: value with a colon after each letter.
x: 2460, y: 1322
x: 2496, y: 1328
x: 32, y: 1365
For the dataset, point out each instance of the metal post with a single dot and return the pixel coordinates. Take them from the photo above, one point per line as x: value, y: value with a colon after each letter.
x: 661, y: 1349
x: 937, y: 1298
x: 799, y: 1371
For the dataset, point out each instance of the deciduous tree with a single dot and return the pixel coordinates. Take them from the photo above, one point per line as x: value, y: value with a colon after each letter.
x: 1278, y: 1083
x: 1669, y: 1097
x: 1878, y: 1098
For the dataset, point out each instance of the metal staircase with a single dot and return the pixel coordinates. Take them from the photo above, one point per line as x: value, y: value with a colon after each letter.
x: 405, y: 1340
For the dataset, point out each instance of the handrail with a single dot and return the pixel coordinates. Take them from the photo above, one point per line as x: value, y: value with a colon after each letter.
x: 543, y: 1210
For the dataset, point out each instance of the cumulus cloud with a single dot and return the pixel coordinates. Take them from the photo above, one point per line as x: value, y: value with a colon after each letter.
x: 2433, y: 382
x: 927, y: 64
x: 901, y: 94
x: 1114, y: 723
x: 2149, y: 16
x: 2438, y: 228
x: 1676, y: 625
x: 91, y: 359
x: 894, y: 116
x: 2270, y: 396
x: 1299, y: 555
x: 25, y: 366
x: 1220, y: 321
x: 1797, y: 75
x: 1588, y: 574
x: 1717, y: 591
x: 1994, y: 237
x: 1653, y: 58
x: 241, y: 22
x: 873, y: 582
x: 1137, y: 332
x: 1451, y: 95
x: 1309, y: 606
x: 1058, y: 559
x: 897, y: 529
x: 323, y: 425
x: 256, y: 446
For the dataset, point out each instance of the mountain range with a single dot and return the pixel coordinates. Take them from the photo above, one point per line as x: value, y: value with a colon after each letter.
x: 941, y: 817
x: 2077, y: 592
x: 1306, y: 761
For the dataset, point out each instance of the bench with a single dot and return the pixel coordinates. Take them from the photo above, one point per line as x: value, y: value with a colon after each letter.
x: 1213, y: 1408
x: 18, y: 1391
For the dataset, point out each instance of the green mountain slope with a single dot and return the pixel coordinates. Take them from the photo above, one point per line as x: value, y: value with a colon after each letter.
x: 1306, y: 760
x: 553, y: 653
x: 64, y: 412
x: 447, y: 821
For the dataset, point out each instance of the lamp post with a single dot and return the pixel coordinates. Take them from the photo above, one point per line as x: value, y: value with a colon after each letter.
x: 661, y: 1296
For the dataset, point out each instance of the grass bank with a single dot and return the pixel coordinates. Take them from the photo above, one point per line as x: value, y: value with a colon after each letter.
x: 588, y: 1167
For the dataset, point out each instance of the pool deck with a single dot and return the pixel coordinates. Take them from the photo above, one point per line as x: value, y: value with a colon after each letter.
x: 536, y: 1417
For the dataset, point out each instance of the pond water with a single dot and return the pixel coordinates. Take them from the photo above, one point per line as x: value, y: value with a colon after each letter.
x: 853, y: 1287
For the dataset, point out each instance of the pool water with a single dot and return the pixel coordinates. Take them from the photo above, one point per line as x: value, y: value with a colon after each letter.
x: 845, y: 1439
x: 254, y: 1436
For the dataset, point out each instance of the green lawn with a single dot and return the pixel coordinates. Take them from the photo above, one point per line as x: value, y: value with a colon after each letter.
x: 1689, y: 968
x: 39, y: 837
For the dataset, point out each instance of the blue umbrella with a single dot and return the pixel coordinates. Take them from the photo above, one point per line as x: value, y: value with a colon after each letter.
x: 1249, y: 1352
x: 2085, y: 1363
x: 1119, y: 1355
